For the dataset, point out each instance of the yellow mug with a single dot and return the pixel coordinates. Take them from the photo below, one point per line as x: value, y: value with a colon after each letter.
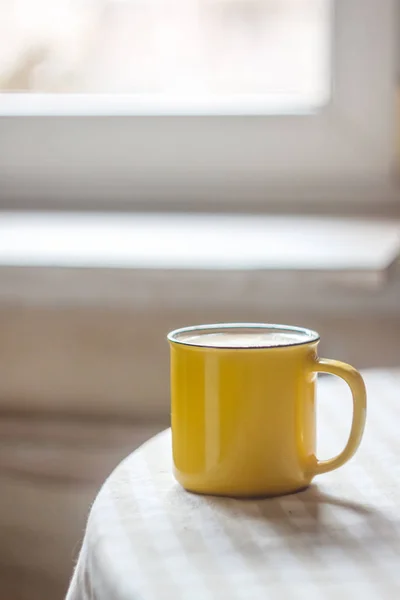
x: 243, y: 408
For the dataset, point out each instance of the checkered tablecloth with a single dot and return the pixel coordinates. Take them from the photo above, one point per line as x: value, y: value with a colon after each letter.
x: 148, y: 539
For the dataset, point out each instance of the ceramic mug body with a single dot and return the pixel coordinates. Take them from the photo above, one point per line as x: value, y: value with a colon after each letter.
x: 244, y: 419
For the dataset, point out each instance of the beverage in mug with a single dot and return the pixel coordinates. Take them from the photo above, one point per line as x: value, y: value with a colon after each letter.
x: 243, y: 408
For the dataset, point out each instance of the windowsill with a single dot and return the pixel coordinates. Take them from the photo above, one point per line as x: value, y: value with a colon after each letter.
x: 205, y: 242
x: 159, y: 259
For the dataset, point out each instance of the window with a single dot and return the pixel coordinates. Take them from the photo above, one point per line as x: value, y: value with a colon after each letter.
x: 196, y: 103
x: 247, y: 54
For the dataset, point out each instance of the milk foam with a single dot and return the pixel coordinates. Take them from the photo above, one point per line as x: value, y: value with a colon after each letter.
x: 245, y: 339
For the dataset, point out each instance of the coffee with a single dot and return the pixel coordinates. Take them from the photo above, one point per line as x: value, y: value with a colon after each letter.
x: 244, y: 339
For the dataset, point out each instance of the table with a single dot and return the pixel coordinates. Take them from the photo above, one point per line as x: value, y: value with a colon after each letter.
x: 148, y: 539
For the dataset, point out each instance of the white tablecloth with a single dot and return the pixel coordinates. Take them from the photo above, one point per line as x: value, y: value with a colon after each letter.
x: 148, y: 539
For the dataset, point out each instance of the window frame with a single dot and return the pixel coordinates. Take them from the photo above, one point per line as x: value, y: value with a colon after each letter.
x: 60, y: 154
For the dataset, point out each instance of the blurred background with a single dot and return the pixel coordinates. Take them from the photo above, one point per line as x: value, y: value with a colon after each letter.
x: 166, y: 163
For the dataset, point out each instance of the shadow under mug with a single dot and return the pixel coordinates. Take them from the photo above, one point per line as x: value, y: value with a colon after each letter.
x: 244, y: 419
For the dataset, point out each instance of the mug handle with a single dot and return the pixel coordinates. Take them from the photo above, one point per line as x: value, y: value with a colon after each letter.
x: 357, y: 386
